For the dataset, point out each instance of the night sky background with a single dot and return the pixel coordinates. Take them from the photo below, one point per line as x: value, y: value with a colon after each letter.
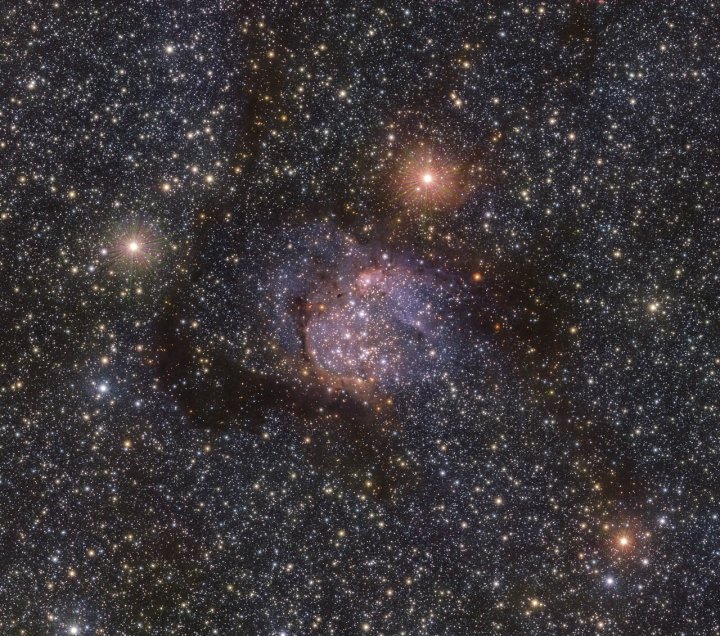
x: 360, y: 317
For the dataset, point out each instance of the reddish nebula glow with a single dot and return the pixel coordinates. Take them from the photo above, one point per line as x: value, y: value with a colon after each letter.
x: 361, y: 339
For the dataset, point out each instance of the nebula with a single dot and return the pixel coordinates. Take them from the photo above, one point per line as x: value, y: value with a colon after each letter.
x: 353, y: 331
x: 366, y: 320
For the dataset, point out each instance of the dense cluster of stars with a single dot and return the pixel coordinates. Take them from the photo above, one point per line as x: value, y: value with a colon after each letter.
x: 359, y: 318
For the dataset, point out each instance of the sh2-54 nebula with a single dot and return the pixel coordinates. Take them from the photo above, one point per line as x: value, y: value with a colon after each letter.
x: 354, y: 334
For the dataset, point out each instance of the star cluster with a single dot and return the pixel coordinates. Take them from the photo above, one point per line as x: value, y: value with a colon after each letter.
x: 393, y: 318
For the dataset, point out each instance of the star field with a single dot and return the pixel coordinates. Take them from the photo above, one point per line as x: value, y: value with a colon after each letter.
x: 392, y: 318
